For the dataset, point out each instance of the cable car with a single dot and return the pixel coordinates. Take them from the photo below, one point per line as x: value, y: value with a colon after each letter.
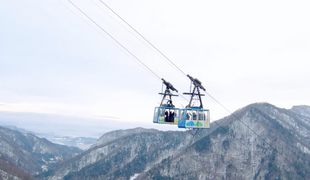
x: 194, y: 117
x: 166, y: 113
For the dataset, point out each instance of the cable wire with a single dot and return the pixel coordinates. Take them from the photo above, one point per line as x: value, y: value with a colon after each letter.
x: 143, y: 38
x: 124, y: 48
x: 157, y: 50
x: 135, y: 35
x: 115, y: 40
x: 96, y: 30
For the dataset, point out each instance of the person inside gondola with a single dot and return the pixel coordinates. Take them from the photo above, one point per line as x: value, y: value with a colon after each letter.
x: 172, y: 116
x: 170, y: 103
x: 166, y: 116
x: 188, y: 116
x: 194, y: 116
x: 202, y: 116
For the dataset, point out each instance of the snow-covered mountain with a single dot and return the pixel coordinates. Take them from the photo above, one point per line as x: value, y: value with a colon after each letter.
x: 24, y: 131
x: 302, y: 110
x: 81, y: 142
x: 10, y: 171
x: 31, y: 153
x: 259, y: 141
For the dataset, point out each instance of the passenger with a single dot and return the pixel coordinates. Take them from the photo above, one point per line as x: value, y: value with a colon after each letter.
x: 194, y: 116
x: 169, y: 103
x: 188, y: 116
x: 203, y: 116
x: 166, y: 116
x: 172, y: 116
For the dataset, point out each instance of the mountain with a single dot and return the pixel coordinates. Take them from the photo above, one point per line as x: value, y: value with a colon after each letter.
x: 31, y: 153
x: 259, y: 141
x: 302, y: 110
x: 115, y: 149
x: 277, y: 148
x: 24, y: 131
x: 10, y: 171
x: 80, y: 142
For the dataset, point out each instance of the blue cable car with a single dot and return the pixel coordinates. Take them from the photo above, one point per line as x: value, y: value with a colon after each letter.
x: 166, y: 113
x: 194, y: 117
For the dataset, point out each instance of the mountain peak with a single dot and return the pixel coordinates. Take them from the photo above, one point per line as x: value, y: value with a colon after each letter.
x: 113, y: 135
x: 301, y: 109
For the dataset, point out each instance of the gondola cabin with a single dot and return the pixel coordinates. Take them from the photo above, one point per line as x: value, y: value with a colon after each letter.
x: 194, y: 118
x: 166, y: 115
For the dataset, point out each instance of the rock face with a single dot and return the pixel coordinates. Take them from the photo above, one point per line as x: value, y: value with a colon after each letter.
x: 34, y: 155
x: 259, y: 141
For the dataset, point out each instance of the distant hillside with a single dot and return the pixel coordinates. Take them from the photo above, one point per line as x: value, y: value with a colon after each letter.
x: 80, y: 142
x: 10, y: 171
x: 30, y: 153
x: 302, y: 110
x: 228, y: 150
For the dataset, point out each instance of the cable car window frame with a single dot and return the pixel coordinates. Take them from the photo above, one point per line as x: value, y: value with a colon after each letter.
x: 159, y: 114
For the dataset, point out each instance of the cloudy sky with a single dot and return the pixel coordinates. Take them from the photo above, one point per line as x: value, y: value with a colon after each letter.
x: 55, y: 60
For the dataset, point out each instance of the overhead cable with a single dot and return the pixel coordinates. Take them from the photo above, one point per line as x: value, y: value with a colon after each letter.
x: 115, y: 40
x: 143, y: 38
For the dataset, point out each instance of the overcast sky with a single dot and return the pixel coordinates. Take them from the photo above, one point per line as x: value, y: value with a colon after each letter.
x: 54, y: 60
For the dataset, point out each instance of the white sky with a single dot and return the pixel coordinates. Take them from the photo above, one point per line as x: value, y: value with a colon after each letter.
x: 54, y: 60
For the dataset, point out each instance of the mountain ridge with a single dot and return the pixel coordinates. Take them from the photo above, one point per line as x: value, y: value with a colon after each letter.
x: 233, y: 148
x: 258, y: 141
x: 31, y: 153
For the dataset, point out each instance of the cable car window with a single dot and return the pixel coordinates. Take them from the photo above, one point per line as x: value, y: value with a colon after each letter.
x: 162, y: 112
x: 201, y: 116
x: 182, y: 114
x: 194, y: 115
x: 189, y: 115
x: 156, y: 112
x: 176, y: 114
